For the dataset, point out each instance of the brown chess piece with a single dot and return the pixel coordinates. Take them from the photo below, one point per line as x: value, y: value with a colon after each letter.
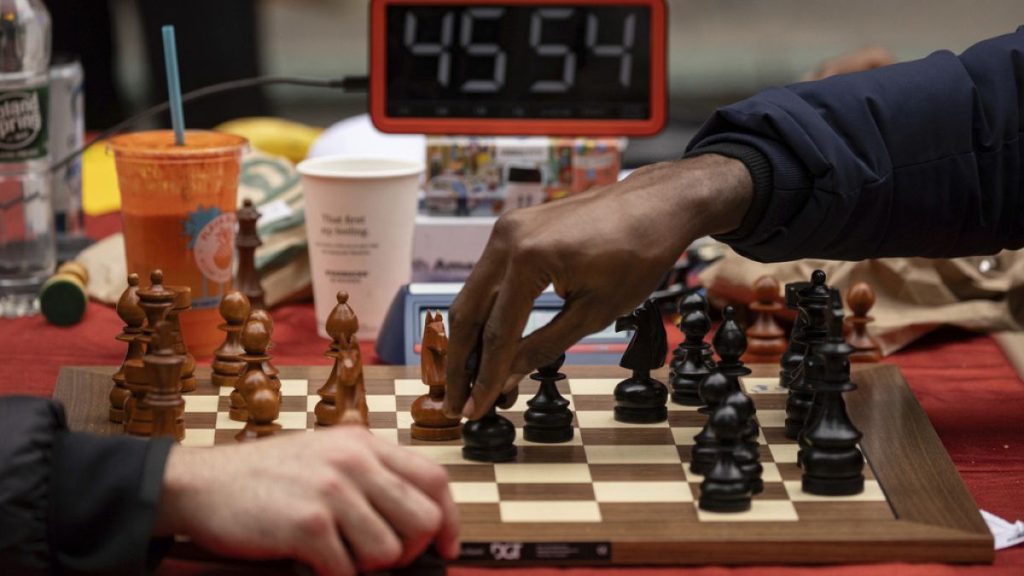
x: 163, y: 367
x: 429, y: 421
x: 861, y: 298
x: 766, y: 340
x: 237, y: 409
x: 227, y: 367
x: 133, y: 317
x: 182, y: 303
x: 341, y: 323
x: 247, y: 280
x: 261, y: 394
x: 155, y: 301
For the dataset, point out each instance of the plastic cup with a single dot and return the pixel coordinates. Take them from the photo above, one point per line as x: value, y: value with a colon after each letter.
x: 360, y: 214
x: 178, y: 213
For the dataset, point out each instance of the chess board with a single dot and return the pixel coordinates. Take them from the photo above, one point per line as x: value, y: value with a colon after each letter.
x: 623, y: 494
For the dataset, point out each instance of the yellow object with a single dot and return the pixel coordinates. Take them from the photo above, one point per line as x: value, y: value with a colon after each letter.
x: 99, y: 181
x: 274, y: 135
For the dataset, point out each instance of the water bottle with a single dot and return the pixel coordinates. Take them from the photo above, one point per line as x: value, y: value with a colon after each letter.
x: 27, y: 239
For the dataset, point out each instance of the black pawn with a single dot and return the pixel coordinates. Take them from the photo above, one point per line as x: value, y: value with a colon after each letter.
x: 790, y: 361
x: 723, y: 380
x: 833, y: 465
x: 725, y: 488
x: 548, y: 418
x: 813, y: 305
x: 640, y: 399
x: 690, y: 358
x: 489, y: 439
x: 747, y: 453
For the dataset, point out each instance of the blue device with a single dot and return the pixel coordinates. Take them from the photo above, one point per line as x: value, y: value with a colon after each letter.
x: 400, y: 335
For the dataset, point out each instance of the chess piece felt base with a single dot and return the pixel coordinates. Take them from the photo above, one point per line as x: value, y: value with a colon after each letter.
x: 430, y: 423
x: 832, y: 486
x: 641, y: 400
x: 729, y: 503
x: 254, y: 431
x: 546, y: 435
x: 548, y: 427
x: 489, y: 439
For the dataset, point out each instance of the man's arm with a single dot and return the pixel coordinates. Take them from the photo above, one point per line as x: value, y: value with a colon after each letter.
x: 922, y: 158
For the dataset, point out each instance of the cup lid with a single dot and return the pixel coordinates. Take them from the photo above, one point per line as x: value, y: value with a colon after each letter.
x: 359, y: 167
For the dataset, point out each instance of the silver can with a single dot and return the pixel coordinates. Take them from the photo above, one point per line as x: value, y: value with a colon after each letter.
x: 67, y: 134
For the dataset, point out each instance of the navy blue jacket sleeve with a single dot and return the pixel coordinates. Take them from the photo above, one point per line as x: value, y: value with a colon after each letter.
x: 922, y: 158
x: 71, y: 501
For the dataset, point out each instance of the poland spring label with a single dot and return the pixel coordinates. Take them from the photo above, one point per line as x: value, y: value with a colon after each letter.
x: 23, y: 124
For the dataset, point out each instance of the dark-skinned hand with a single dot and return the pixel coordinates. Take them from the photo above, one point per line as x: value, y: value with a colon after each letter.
x: 604, y: 251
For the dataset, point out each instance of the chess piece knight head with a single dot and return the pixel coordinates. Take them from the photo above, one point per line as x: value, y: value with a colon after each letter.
x: 128, y: 308
x: 434, y: 351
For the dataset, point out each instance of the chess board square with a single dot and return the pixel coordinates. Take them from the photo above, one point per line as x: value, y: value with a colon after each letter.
x: 686, y: 419
x: 200, y: 420
x: 474, y: 492
x: 311, y: 402
x: 199, y: 438
x: 594, y: 386
x: 293, y: 420
x: 642, y: 492
x: 226, y: 423
x: 388, y: 434
x: 683, y: 436
x: 760, y: 511
x: 624, y: 454
x: 444, y: 454
x: 550, y: 511
x: 383, y: 419
x: 771, y: 418
x: 376, y: 403
x: 593, y: 403
x: 872, y: 493
x: 643, y: 512
x: 633, y: 473
x: 673, y: 407
x: 753, y: 385
x: 784, y: 453
x: 606, y: 419
x: 552, y: 454
x: 409, y: 387
x: 201, y: 403
x: 772, y: 491
x: 294, y: 388
x: 545, y: 491
x: 470, y: 473
x: 225, y: 390
x: 403, y: 420
x: 520, y: 473
x: 375, y: 387
x: 610, y: 436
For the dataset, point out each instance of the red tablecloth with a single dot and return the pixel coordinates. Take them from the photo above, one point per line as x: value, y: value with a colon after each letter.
x: 971, y: 394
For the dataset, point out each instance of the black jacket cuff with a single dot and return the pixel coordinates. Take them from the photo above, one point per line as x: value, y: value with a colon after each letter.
x: 760, y: 173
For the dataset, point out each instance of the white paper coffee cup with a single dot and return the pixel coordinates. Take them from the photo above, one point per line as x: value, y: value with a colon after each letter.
x: 360, y: 215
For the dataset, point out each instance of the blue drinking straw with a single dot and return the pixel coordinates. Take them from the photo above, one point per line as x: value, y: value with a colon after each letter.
x: 174, y: 85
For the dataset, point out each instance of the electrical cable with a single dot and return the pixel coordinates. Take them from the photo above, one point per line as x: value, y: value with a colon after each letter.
x: 348, y: 84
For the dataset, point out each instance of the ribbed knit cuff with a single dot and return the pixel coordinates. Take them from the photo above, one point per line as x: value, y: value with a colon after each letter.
x: 760, y: 173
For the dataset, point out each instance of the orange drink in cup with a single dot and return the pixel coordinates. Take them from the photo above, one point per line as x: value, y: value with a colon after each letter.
x: 178, y: 213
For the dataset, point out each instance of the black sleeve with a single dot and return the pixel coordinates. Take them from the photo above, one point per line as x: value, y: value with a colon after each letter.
x: 923, y: 158
x: 71, y: 501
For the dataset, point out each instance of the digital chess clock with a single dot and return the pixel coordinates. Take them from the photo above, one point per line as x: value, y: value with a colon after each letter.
x: 548, y: 67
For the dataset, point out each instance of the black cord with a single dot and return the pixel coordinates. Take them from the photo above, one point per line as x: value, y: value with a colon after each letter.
x: 349, y: 84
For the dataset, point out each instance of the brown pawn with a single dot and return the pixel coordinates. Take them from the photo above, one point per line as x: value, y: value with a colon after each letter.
x: 227, y: 367
x: 182, y: 303
x: 163, y: 367
x: 133, y: 317
x: 429, y: 421
x: 861, y: 298
x: 261, y: 394
x: 343, y: 395
x: 766, y: 340
x: 247, y: 281
x: 155, y: 301
x: 237, y: 409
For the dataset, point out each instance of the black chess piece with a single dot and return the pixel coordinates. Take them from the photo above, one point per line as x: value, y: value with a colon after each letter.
x: 548, y: 418
x: 833, y: 464
x: 723, y: 380
x: 690, y: 364
x: 790, y: 361
x: 640, y: 399
x: 747, y: 453
x: 725, y: 488
x: 813, y: 305
x: 489, y: 439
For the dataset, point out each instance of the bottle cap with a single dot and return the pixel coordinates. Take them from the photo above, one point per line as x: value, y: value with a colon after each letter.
x: 63, y: 299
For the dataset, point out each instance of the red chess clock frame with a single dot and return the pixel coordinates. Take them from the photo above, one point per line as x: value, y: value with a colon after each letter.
x: 519, y: 126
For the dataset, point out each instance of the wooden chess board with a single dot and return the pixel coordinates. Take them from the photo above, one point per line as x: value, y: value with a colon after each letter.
x: 623, y: 494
